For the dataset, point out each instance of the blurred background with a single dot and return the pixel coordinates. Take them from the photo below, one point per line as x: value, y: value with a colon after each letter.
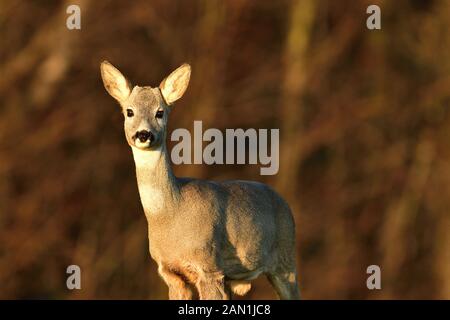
x: 364, y: 137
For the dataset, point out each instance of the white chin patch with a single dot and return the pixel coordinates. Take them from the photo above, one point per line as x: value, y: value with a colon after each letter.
x: 142, y: 145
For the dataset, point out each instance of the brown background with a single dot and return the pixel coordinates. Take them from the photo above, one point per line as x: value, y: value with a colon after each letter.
x: 364, y: 129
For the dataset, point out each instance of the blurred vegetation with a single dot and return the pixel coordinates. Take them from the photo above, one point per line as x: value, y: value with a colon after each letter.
x: 363, y: 118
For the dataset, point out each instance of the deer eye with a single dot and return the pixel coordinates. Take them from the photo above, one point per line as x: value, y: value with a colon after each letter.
x: 130, y: 113
x: 159, y: 114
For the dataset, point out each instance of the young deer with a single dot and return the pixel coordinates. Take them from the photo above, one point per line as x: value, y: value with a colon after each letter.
x: 212, y: 236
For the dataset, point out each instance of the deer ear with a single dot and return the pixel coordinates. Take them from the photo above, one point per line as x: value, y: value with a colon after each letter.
x: 115, y: 83
x: 174, y: 86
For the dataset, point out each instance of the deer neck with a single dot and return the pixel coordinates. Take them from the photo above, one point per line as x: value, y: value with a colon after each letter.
x: 158, y: 187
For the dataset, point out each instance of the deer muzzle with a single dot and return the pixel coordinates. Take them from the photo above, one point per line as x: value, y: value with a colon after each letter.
x: 144, y: 136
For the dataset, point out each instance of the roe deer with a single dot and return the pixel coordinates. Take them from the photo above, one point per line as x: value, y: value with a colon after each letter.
x: 211, y: 236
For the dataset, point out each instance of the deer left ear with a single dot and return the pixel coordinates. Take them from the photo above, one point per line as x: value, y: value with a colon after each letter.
x: 114, y: 81
x: 174, y: 86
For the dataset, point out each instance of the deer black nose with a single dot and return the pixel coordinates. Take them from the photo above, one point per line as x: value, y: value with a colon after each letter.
x: 144, y: 135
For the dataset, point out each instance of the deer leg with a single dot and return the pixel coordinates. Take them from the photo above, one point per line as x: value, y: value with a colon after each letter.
x: 285, y: 284
x: 212, y: 287
x: 179, y: 289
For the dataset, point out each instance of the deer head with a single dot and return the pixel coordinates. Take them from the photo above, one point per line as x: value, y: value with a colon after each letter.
x: 145, y: 109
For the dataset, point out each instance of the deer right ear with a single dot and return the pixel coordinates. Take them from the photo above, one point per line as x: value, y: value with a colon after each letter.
x: 115, y: 83
x: 174, y: 86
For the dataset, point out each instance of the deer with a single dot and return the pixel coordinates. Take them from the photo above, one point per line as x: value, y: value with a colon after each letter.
x: 209, y: 239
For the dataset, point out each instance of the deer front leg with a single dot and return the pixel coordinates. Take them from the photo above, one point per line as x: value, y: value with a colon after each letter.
x: 211, y: 286
x: 179, y: 289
